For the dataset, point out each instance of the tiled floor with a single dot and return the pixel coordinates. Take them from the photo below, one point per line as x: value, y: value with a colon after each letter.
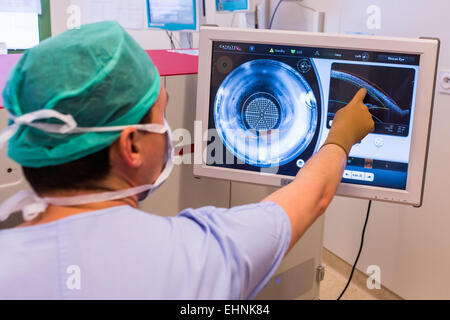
x: 337, y: 272
x: 333, y: 284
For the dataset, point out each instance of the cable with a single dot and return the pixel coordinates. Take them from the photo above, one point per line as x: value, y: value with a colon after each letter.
x: 176, y: 40
x: 170, y: 35
x: 274, y: 13
x: 359, y: 253
x: 172, y: 39
x: 278, y: 5
x: 305, y: 7
x: 190, y: 40
x: 232, y: 21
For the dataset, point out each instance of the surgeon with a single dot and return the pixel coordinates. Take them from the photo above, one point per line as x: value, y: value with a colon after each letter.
x: 87, y: 125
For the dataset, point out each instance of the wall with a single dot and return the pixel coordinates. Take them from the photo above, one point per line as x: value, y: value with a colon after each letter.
x: 410, y: 245
x: 148, y: 39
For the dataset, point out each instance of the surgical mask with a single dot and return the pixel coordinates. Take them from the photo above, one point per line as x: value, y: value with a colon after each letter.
x: 31, y: 205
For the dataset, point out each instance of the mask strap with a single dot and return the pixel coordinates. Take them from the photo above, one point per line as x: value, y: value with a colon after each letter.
x: 166, y: 171
x: 31, y: 205
x: 69, y: 126
x: 96, y: 197
x: 29, y: 118
x: 25, y: 201
x: 151, y: 127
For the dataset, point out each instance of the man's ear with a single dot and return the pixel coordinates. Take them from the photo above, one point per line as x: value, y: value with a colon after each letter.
x: 126, y: 149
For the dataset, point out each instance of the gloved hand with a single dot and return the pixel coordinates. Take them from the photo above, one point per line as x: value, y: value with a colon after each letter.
x: 351, y: 124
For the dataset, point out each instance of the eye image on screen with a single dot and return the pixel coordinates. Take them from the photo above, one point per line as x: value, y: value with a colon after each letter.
x: 266, y: 109
x: 256, y: 99
x: 389, y: 94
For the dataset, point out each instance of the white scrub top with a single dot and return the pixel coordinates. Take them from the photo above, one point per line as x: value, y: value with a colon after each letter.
x: 125, y: 253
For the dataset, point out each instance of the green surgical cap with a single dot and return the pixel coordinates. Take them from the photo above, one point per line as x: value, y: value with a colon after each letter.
x: 97, y: 74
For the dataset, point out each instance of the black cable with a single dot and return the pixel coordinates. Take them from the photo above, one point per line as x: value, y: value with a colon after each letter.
x: 170, y: 35
x: 274, y: 13
x: 359, y: 253
x: 177, y: 41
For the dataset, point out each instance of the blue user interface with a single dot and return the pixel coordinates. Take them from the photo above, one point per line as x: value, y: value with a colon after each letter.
x: 231, y: 5
x: 271, y: 107
x: 172, y: 14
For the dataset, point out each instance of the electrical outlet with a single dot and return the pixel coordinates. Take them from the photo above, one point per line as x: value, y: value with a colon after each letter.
x: 3, y: 48
x: 10, y: 172
x: 444, y: 81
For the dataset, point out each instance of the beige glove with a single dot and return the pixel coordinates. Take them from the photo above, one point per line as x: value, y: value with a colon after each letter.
x: 351, y: 124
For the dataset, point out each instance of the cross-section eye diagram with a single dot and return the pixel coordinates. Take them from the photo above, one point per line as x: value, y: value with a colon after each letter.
x: 265, y: 113
x: 389, y: 94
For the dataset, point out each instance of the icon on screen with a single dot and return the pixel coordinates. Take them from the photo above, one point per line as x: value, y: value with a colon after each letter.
x: 304, y: 66
x: 300, y: 163
x: 379, y: 142
x: 365, y: 56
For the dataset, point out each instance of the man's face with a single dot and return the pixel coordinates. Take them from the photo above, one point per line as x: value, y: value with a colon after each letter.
x: 154, y: 144
x: 159, y: 108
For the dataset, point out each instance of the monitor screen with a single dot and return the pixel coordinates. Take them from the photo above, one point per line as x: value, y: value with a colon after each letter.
x: 272, y: 97
x: 272, y: 107
x: 231, y: 5
x: 19, y: 30
x: 172, y: 14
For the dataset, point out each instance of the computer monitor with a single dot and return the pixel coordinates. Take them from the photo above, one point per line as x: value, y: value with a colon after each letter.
x: 19, y: 30
x: 232, y: 5
x: 172, y: 15
x: 268, y: 99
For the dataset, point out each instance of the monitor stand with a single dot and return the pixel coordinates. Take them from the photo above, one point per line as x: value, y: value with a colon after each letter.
x: 186, y: 40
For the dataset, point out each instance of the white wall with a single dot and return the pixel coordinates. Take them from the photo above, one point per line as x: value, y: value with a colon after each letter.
x: 148, y: 39
x: 411, y: 245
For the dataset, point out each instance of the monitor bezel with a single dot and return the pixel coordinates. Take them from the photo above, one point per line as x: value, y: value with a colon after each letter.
x: 427, y: 49
x: 175, y: 26
x: 231, y: 11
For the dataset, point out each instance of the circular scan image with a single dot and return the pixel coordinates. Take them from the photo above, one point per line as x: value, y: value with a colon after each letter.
x: 265, y: 113
x: 224, y: 64
x: 261, y: 111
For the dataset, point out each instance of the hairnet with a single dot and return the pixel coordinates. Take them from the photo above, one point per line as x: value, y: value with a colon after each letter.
x: 97, y: 74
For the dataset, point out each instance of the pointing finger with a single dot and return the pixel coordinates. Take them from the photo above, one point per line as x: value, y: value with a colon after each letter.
x: 360, y: 95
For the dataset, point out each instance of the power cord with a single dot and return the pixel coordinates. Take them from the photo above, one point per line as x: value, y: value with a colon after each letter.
x: 278, y: 5
x: 234, y: 18
x: 274, y: 13
x: 359, y: 253
x: 170, y: 36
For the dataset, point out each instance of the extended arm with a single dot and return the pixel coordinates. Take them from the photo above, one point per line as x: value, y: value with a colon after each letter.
x: 308, y: 196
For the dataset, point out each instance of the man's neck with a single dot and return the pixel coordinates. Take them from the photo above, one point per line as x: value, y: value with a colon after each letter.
x: 54, y: 213
x: 111, y: 184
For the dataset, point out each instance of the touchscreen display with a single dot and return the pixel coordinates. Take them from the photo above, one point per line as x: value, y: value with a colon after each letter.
x: 271, y: 108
